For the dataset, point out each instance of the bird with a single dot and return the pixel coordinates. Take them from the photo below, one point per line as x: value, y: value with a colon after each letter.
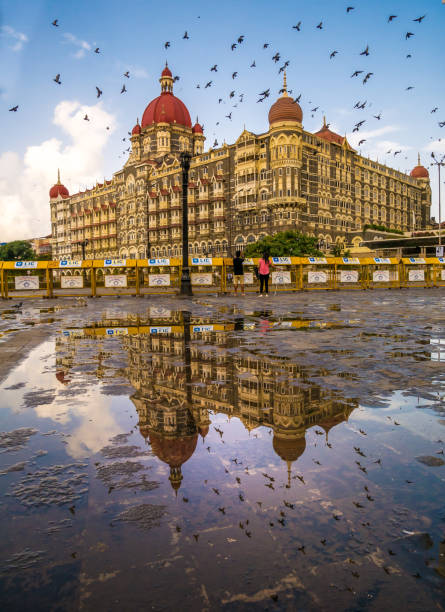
x: 320, y: 25
x: 441, y: 124
x: 379, y: 116
x: 97, y: 50
x: 391, y: 17
x: 336, y: 517
x: 409, y: 55
x: 435, y: 109
x: 14, y: 109
x: 366, y: 51
x: 127, y: 74
x: 214, y: 68
x: 301, y: 479
x: 241, y: 498
x: 265, y: 93
x: 209, y: 84
x: 265, y: 45
x: 234, y: 75
x: 222, y: 510
x: 99, y: 92
x: 358, y: 505
x: 196, y: 536
x: 86, y: 118
x: 361, y: 430
x: 233, y: 46
x: 367, y: 77
x: 231, y: 94
x: 185, y: 500
x: 420, y: 19
x: 333, y: 54
x: 253, y: 65
x: 314, y: 110
x: 186, y: 36
x: 297, y: 27
x: 166, y: 44
x: 276, y: 57
x: 240, y: 39
x: 56, y: 24
x: 178, y: 528
x: 297, y: 99
x: 124, y: 89
x: 408, y: 88
x: 176, y: 78
x: 57, y: 79
x: 361, y: 141
x: 408, y: 35
x: 323, y: 541
x: 356, y: 73
x: 215, y: 144
x: 349, y: 9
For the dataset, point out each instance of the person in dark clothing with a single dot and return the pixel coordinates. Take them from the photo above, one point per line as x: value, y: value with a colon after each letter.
x: 238, y: 272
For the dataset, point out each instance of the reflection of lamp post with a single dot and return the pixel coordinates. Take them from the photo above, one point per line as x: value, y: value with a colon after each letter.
x: 439, y: 163
x: 83, y: 244
x: 186, y: 285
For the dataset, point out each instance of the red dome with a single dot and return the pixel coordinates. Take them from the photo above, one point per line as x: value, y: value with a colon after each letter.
x: 166, y: 108
x: 59, y: 189
x: 166, y: 71
x: 173, y: 451
x: 285, y: 109
x: 420, y: 172
x: 197, y: 129
x: 326, y: 134
x: 136, y: 130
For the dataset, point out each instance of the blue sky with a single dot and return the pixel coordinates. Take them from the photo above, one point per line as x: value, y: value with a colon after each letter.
x: 48, y: 130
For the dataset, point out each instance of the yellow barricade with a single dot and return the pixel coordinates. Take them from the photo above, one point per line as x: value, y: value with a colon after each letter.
x: 350, y: 273
x: 383, y: 272
x: 317, y: 273
x: 207, y: 274
x: 71, y: 277
x: 415, y: 272
x: 284, y: 274
x: 114, y: 277
x: 159, y: 275
x: 437, y: 270
x: 26, y: 279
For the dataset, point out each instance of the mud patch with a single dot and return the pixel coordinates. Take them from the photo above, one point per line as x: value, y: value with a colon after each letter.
x: 32, y: 399
x: 430, y: 461
x: 119, y: 475
x: 16, y: 439
x: 22, y: 560
x: 53, y: 485
x: 17, y: 467
x: 123, y: 452
x: 145, y: 516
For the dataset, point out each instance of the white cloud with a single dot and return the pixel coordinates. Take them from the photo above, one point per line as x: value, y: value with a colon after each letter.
x: 17, y: 39
x: 438, y: 146
x: 355, y: 137
x: 24, y: 183
x: 82, y: 45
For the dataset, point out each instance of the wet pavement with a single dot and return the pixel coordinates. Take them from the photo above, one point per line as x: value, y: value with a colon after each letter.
x: 281, y: 453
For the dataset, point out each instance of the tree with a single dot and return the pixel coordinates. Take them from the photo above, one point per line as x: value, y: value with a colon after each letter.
x: 17, y: 250
x: 288, y: 243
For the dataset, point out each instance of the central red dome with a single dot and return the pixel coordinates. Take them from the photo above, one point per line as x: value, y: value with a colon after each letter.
x: 166, y: 108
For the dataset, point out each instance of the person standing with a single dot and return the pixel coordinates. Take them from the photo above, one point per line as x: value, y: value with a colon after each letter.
x: 263, y: 272
x: 238, y: 272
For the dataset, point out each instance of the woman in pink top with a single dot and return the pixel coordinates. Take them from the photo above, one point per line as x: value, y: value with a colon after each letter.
x: 263, y: 272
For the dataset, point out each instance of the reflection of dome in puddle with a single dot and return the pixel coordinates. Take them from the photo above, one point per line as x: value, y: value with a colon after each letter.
x: 174, y: 452
x: 289, y: 449
x: 203, y: 430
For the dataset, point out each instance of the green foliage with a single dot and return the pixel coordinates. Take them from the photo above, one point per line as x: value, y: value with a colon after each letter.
x: 16, y: 251
x: 381, y: 228
x: 284, y: 244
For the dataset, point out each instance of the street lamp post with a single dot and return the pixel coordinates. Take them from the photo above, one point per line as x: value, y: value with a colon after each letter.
x: 439, y: 163
x: 186, y: 285
x: 83, y: 244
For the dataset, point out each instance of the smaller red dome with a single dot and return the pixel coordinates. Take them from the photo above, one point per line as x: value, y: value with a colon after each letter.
x: 166, y: 71
x: 136, y: 130
x: 420, y: 172
x: 197, y: 128
x: 328, y: 135
x: 58, y: 189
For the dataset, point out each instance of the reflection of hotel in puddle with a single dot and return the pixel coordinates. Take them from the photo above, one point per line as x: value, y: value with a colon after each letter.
x: 266, y: 391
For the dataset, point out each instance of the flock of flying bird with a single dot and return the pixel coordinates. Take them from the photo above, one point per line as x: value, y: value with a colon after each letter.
x: 365, y: 76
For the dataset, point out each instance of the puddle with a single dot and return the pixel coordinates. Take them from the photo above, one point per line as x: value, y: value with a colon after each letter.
x: 229, y: 456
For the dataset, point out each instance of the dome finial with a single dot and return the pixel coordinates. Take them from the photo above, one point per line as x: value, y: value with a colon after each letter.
x: 284, y: 84
x: 418, y: 159
x: 324, y: 121
x: 58, y: 176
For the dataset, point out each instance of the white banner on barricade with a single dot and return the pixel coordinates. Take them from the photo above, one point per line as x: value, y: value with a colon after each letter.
x: 71, y: 282
x: 26, y: 282
x: 115, y: 280
x: 159, y: 280
x: 201, y: 278
x: 349, y: 276
x: 248, y: 278
x: 281, y: 278
x: 416, y: 275
x: 317, y: 277
x: 380, y: 276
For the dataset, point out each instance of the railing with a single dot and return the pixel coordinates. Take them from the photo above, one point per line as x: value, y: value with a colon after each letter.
x: 114, y: 276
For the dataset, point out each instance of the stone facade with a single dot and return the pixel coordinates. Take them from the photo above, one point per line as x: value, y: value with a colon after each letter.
x: 285, y: 178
